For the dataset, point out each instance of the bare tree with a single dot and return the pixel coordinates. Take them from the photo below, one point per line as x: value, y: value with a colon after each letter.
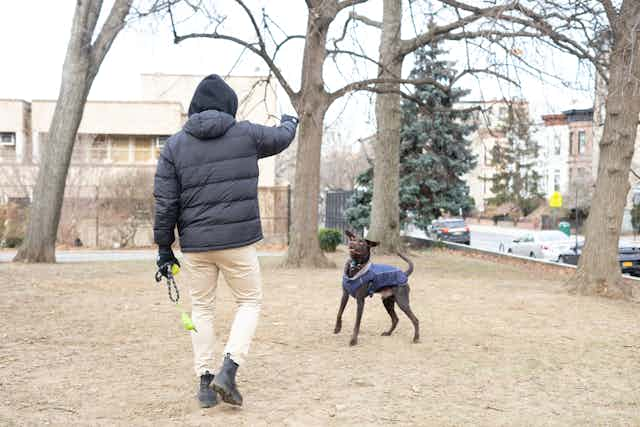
x: 85, y: 52
x: 598, y: 269
x: 385, y: 215
x: 127, y: 204
x: 311, y: 103
x: 604, y: 34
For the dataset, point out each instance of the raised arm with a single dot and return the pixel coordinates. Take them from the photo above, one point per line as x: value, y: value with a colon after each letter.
x: 273, y: 140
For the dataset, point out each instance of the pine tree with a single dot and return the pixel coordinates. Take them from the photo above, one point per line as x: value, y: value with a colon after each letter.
x: 516, y: 180
x: 435, y: 152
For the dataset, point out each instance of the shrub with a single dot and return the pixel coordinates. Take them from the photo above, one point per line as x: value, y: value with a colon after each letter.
x: 12, y: 242
x: 329, y: 239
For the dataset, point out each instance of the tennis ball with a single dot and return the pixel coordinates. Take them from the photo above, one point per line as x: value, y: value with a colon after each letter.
x: 187, y: 322
x: 175, y: 269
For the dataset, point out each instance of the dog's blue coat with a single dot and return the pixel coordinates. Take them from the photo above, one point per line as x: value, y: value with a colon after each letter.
x: 376, y: 277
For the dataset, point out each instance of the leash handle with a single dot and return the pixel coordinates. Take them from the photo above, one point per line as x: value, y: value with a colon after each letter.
x: 172, y: 287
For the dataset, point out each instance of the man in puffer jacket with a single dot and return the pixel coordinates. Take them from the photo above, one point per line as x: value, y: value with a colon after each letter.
x: 206, y: 184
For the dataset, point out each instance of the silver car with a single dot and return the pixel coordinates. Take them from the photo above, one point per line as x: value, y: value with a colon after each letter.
x: 547, y: 245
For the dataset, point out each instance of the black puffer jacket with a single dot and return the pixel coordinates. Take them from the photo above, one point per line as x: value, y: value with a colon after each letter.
x: 206, y: 182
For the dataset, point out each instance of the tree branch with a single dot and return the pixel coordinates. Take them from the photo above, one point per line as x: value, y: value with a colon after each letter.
x: 259, y: 50
x: 440, y: 32
x: 348, y: 3
x: 112, y: 26
x: 365, y: 20
x: 369, y: 85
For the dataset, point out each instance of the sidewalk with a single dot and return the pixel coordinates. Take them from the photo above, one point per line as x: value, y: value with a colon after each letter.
x: 109, y: 255
x: 491, y: 229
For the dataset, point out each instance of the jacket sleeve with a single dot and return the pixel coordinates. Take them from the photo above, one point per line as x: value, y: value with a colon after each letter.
x: 272, y: 140
x: 166, y: 191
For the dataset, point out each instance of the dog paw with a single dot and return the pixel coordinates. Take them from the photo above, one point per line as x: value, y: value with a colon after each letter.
x: 416, y: 340
x: 386, y: 334
x: 353, y: 342
x: 337, y: 330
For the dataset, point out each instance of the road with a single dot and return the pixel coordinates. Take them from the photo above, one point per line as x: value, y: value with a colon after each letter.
x: 488, y: 238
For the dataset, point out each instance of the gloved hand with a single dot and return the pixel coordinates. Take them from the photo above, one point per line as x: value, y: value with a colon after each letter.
x: 165, y: 260
x: 288, y: 118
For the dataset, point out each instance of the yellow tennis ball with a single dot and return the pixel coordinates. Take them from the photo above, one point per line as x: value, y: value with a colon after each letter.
x: 175, y: 269
x: 187, y: 322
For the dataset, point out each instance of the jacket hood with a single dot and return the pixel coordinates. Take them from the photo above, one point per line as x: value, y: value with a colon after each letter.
x: 209, y: 124
x: 213, y: 93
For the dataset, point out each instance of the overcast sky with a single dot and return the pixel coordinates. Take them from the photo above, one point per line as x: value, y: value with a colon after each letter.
x: 34, y: 35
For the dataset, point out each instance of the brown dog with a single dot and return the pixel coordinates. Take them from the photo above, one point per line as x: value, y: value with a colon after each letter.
x: 362, y: 279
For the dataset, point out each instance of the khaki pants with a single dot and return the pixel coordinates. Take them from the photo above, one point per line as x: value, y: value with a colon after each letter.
x: 241, y: 271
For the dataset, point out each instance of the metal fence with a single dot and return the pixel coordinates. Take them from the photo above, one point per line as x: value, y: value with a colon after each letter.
x: 336, y: 203
x: 118, y: 214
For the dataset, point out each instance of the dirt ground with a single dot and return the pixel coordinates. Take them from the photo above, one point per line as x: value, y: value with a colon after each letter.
x: 100, y: 344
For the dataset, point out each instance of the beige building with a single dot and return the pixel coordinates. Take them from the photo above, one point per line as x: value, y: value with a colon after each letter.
x: 490, y: 121
x: 117, y: 147
x: 15, y: 131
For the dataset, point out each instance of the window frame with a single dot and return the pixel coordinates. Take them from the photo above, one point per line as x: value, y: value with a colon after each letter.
x: 582, y: 142
x: 12, y: 136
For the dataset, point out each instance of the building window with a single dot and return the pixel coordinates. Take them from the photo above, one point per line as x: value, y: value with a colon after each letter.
x: 556, y: 181
x: 582, y: 142
x: 7, y: 139
x: 143, y: 149
x: 7, y: 146
x: 161, y: 140
x: 120, y: 150
x: 99, y: 150
x: 557, y: 145
x: 570, y: 143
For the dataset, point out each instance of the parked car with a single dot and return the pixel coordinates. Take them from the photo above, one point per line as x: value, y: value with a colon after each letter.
x: 450, y: 230
x: 547, y: 245
x: 628, y: 257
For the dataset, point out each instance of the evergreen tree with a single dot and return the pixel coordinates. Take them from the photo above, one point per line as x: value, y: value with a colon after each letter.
x: 435, y: 152
x: 516, y: 180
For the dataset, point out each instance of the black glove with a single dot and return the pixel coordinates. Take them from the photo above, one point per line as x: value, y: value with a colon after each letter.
x: 165, y: 260
x: 288, y: 118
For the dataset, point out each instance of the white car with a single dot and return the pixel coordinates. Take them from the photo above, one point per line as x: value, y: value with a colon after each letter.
x: 547, y: 245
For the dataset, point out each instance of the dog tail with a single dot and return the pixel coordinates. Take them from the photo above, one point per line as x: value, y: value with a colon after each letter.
x: 408, y: 261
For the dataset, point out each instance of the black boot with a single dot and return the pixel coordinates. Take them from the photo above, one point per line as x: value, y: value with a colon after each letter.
x: 225, y: 382
x: 206, y: 395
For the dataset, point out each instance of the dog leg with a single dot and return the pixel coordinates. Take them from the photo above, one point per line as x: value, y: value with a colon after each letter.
x: 356, y: 328
x: 389, y: 303
x: 402, y: 299
x: 343, y: 304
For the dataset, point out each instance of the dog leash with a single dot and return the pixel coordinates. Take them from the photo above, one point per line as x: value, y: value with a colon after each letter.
x: 174, y: 295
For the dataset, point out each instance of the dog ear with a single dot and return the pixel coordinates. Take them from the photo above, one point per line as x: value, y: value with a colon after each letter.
x: 371, y: 243
x: 350, y: 234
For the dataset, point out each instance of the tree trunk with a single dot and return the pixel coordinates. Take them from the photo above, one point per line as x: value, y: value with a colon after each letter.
x: 304, y: 247
x: 385, y: 211
x: 80, y: 67
x: 599, y: 270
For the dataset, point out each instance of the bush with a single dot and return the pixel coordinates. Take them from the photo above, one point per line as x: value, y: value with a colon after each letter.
x: 12, y: 242
x: 329, y: 239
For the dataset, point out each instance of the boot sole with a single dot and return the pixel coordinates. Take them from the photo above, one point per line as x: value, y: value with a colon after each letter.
x: 225, y: 395
x: 205, y: 405
x: 208, y: 403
